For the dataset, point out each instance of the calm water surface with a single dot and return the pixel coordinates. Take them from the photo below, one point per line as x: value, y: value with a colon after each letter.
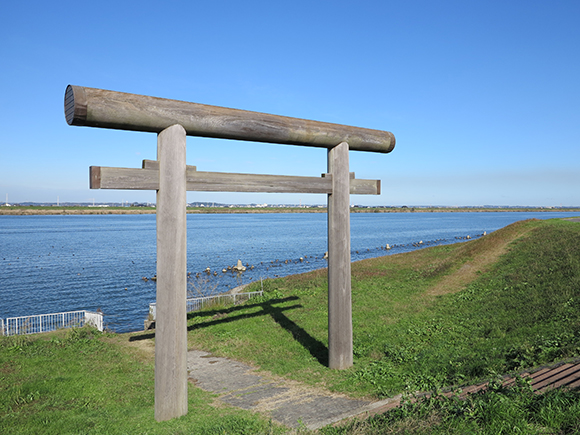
x: 62, y: 263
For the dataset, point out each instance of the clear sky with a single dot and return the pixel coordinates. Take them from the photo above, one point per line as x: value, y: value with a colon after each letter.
x: 483, y: 97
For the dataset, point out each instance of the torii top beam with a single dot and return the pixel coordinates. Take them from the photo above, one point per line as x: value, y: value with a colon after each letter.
x: 122, y: 111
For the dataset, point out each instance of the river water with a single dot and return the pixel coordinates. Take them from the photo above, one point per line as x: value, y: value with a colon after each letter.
x: 52, y: 264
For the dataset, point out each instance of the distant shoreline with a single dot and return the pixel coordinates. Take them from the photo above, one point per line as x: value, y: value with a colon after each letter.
x: 55, y: 210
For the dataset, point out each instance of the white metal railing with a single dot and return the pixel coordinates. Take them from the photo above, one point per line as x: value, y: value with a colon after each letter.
x: 194, y: 304
x: 50, y: 322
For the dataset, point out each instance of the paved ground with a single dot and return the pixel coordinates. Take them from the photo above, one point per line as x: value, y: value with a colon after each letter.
x: 296, y: 405
x: 287, y: 402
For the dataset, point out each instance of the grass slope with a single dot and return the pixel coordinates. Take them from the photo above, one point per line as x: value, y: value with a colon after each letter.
x: 444, y: 315
x: 80, y: 381
x: 433, y: 318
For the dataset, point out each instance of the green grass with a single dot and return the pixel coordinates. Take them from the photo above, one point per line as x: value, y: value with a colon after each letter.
x: 498, y: 410
x: 440, y: 317
x: 72, y: 207
x: 84, y: 382
x: 50, y: 209
x: 436, y: 318
x: 16, y: 210
x: 417, y: 323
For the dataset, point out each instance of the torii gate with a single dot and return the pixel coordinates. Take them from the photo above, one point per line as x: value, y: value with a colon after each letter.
x: 172, y: 121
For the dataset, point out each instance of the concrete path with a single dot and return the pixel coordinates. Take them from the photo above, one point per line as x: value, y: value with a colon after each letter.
x: 286, y: 402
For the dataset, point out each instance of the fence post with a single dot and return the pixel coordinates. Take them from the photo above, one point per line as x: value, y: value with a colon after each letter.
x: 171, y: 322
x: 339, y: 284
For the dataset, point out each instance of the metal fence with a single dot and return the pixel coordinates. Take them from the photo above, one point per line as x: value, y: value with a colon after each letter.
x: 194, y: 304
x: 50, y: 322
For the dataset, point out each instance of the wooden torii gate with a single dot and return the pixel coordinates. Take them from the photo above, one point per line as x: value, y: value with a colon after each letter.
x: 170, y: 176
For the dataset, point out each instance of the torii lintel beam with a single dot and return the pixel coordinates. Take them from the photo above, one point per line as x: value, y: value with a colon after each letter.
x: 92, y: 107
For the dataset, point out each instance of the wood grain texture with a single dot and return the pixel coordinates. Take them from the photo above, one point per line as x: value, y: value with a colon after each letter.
x: 229, y: 182
x: 154, y: 164
x: 102, y: 177
x: 109, y: 109
x: 340, y: 346
x: 95, y: 177
x: 171, y: 322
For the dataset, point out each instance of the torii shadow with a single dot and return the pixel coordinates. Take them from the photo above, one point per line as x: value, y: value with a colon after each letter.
x: 269, y: 308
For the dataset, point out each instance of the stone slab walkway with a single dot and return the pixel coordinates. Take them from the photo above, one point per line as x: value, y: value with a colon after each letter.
x: 287, y: 402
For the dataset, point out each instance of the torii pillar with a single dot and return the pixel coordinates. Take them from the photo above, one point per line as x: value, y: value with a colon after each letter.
x: 171, y: 323
x: 339, y: 284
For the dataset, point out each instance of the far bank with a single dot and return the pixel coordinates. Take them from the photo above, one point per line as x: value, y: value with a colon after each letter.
x: 85, y: 210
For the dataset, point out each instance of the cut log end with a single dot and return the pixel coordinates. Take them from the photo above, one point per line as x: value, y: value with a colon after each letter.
x: 391, y: 142
x: 383, y: 142
x: 95, y: 177
x: 75, y: 105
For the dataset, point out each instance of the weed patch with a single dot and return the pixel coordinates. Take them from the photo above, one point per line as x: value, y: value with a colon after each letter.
x: 494, y: 411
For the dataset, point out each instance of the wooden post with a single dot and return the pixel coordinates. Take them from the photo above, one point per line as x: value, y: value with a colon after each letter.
x: 171, y: 324
x: 339, y: 286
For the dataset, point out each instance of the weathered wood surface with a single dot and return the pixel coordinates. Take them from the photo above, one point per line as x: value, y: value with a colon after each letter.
x: 102, y: 177
x: 339, y: 281
x: 117, y: 110
x: 154, y: 164
x: 171, y: 320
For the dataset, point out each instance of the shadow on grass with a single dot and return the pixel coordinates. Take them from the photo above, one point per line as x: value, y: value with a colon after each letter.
x: 270, y: 308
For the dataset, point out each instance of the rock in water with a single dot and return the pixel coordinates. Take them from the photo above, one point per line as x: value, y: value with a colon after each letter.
x: 239, y: 267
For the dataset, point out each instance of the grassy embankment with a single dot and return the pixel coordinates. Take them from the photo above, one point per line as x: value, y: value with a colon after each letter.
x: 439, y: 317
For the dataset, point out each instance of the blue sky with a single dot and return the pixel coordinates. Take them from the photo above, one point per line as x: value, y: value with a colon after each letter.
x: 483, y: 97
